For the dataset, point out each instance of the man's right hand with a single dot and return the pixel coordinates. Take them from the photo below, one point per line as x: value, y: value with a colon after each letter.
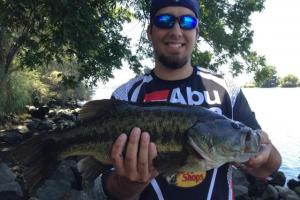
x: 134, y: 170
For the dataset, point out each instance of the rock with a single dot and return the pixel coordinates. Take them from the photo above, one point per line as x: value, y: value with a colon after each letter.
x: 10, y: 195
x: 278, y: 179
x: 65, y: 171
x: 33, y: 198
x: 23, y: 129
x: 78, y: 195
x: 286, y: 193
x: 53, y: 190
x: 292, y: 197
x: 270, y: 193
x: 39, y: 113
x: 54, y: 103
x: 65, y: 114
x: 11, y: 190
x: 239, y: 177
x: 75, y: 114
x: 33, y: 124
x: 297, y: 190
x: 30, y: 109
x: 293, y: 183
x: 11, y: 137
x: 46, y: 125
x: 6, y: 175
x: 93, y: 192
x: 65, y: 182
x: 51, y: 114
x: 256, y: 187
x: 65, y: 124
x: 240, y: 192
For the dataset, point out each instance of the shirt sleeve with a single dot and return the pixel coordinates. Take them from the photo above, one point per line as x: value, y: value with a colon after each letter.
x: 243, y: 113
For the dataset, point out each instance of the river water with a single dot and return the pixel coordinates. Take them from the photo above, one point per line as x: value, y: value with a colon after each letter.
x: 277, y: 110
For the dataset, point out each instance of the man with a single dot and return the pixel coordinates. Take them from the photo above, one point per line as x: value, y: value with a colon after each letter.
x: 173, y: 31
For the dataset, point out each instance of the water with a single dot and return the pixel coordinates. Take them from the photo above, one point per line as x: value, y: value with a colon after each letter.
x: 277, y: 111
x: 103, y: 93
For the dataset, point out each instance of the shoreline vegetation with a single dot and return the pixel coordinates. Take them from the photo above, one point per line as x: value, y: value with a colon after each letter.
x: 272, y: 81
x: 252, y: 85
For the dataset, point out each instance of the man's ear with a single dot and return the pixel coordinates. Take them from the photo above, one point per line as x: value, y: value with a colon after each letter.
x: 149, y: 32
x: 197, y: 33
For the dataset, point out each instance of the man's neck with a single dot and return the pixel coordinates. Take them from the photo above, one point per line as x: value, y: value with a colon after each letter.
x: 168, y: 74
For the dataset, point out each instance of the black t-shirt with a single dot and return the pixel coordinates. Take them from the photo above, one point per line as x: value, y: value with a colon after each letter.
x: 204, y: 88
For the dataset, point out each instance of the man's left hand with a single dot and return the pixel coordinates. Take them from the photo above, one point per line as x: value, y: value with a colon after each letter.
x: 265, y: 162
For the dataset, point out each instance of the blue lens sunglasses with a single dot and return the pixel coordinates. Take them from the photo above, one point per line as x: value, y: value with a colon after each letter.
x: 167, y: 21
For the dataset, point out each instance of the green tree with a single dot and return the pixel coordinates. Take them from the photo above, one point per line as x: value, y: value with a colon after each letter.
x: 34, y: 33
x: 266, y: 77
x: 290, y: 81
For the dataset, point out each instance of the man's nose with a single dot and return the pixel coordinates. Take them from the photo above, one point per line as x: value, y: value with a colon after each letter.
x: 176, y: 29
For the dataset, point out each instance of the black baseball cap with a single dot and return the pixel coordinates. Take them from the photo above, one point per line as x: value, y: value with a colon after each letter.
x: 190, y: 4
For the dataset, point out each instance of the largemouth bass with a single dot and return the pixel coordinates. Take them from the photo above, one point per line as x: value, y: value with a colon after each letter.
x: 188, y: 138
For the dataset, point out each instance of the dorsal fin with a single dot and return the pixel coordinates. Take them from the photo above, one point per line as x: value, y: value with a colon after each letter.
x: 93, y: 108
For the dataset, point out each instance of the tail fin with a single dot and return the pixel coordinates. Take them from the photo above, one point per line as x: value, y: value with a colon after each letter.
x: 35, y: 158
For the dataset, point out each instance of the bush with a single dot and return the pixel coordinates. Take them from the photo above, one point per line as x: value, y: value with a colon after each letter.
x: 290, y: 81
x: 19, y: 91
x: 28, y: 86
x: 266, y: 77
x: 59, y: 91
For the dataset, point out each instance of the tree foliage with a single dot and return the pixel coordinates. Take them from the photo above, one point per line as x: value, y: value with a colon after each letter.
x: 290, y: 81
x: 225, y: 26
x: 36, y: 32
x: 266, y: 77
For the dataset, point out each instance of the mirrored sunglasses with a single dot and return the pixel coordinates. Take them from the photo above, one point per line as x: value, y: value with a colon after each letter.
x: 168, y: 21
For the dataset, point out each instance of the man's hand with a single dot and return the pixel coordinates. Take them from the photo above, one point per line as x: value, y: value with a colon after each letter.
x: 266, y: 162
x: 134, y: 170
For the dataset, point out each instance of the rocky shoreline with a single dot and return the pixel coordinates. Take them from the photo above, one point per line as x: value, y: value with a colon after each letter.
x: 65, y: 182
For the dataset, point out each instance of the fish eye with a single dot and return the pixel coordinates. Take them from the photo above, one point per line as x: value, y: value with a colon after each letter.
x: 235, y: 125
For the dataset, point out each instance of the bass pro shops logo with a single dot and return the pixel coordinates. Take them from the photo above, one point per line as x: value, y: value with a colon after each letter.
x: 189, y: 179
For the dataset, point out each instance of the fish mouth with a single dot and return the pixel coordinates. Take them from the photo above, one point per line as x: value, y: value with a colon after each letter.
x: 251, y: 142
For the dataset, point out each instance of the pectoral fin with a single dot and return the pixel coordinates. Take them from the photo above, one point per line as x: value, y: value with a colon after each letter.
x: 90, y: 169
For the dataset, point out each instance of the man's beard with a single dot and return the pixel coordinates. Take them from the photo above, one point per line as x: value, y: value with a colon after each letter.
x: 172, y: 62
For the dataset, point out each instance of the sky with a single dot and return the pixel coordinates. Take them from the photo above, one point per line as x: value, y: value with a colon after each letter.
x: 276, y: 36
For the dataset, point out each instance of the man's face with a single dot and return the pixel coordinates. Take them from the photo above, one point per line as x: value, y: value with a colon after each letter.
x: 173, y: 47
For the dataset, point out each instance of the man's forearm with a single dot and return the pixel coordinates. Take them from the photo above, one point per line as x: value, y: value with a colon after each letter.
x: 123, y: 189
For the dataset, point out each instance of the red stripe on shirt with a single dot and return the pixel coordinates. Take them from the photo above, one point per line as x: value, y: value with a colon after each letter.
x: 161, y: 95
